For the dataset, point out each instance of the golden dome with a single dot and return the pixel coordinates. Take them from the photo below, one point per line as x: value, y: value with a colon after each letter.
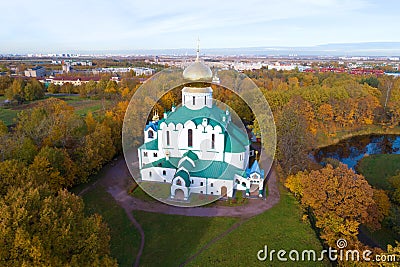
x: 197, y: 71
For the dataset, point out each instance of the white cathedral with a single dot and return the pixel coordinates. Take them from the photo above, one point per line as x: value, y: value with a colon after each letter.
x: 196, y: 148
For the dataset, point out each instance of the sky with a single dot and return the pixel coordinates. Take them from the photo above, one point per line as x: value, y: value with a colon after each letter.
x: 45, y: 26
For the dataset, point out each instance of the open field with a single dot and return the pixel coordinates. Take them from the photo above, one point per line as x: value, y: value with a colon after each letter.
x: 81, y: 105
x: 381, y: 237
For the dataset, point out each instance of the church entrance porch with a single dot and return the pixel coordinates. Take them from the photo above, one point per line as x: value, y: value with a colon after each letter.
x: 224, y: 191
x: 179, y: 195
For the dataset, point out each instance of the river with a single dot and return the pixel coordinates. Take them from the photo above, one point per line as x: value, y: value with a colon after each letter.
x: 350, y: 151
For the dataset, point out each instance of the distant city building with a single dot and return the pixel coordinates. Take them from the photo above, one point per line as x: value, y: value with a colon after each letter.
x: 36, y: 72
x: 66, y: 67
x: 282, y: 66
x: 72, y: 80
x: 138, y: 71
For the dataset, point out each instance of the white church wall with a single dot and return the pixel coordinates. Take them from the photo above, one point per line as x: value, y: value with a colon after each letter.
x: 236, y: 159
x: 241, y: 183
x: 198, y: 185
x: 148, y: 156
x: 215, y: 186
x: 146, y: 135
x: 200, y: 99
x: 157, y: 174
x: 210, y: 186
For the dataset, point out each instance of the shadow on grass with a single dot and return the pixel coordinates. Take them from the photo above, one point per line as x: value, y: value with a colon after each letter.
x: 171, y: 239
x: 125, y: 240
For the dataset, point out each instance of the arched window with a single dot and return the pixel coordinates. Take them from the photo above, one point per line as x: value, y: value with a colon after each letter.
x: 178, y: 182
x: 168, y: 141
x: 194, y: 100
x: 212, y: 141
x: 190, y: 137
x: 150, y: 134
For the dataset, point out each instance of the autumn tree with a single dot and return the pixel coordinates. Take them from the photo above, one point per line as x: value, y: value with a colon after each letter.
x: 14, y: 92
x: 111, y: 88
x: 52, y: 122
x: 12, y: 173
x: 55, y: 161
x: 338, y: 198
x: 98, y: 148
x: 378, y: 210
x: 294, y: 140
x: 52, y: 88
x: 40, y: 228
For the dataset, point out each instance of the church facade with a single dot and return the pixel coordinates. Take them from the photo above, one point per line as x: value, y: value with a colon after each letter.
x: 196, y: 148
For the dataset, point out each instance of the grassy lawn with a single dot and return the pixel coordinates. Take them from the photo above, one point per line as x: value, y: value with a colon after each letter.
x: 280, y: 228
x: 171, y: 239
x: 8, y: 115
x: 378, y: 168
x: 125, y: 239
x: 382, y: 237
x: 85, y: 109
x: 82, y: 107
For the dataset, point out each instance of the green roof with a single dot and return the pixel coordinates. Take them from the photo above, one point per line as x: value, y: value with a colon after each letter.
x: 184, y: 114
x: 203, y: 168
x: 163, y: 163
x: 184, y: 175
x: 187, y: 165
x: 216, y: 170
x: 190, y: 154
x: 152, y: 145
x: 235, y: 139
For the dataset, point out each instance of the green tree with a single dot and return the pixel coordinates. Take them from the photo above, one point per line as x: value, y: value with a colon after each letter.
x: 52, y: 88
x: 14, y: 92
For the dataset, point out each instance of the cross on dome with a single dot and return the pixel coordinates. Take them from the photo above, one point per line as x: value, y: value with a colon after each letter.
x: 197, y: 71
